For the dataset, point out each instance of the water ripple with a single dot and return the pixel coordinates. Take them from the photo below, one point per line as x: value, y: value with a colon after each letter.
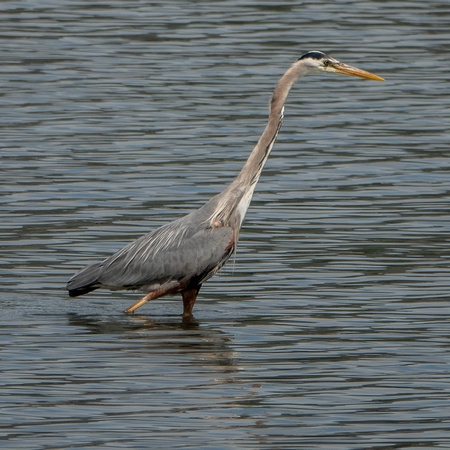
x: 330, y: 329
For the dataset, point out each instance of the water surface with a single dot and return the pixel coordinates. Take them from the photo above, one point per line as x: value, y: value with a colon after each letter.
x: 331, y: 327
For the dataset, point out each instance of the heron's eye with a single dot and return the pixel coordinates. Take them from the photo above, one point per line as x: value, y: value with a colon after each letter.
x: 327, y: 62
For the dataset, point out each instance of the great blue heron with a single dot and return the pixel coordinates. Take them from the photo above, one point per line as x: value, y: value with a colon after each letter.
x: 182, y: 255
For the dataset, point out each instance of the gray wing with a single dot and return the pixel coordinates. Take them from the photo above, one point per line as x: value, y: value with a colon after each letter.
x: 184, y: 251
x: 172, y: 253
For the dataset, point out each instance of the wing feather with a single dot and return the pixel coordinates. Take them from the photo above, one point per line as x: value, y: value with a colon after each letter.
x: 176, y: 252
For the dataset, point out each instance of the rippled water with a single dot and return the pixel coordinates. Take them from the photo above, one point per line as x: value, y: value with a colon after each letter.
x: 330, y: 330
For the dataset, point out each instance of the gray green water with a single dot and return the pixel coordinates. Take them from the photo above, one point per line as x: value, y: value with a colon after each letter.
x: 331, y: 328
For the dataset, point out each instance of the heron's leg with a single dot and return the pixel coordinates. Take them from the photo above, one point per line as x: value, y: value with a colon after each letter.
x: 150, y: 296
x: 189, y: 297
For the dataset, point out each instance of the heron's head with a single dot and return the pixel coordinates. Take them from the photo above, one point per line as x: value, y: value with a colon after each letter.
x: 320, y: 62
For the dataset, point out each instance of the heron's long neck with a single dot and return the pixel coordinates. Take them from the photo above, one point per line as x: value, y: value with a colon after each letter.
x: 251, y: 171
x: 233, y: 202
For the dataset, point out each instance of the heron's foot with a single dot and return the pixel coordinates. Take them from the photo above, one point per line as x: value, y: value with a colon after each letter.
x: 188, y: 320
x: 189, y: 297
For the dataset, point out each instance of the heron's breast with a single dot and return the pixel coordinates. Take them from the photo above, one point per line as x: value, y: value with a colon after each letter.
x: 244, y: 203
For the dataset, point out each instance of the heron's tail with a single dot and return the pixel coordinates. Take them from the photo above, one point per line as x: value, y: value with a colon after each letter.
x: 86, y: 280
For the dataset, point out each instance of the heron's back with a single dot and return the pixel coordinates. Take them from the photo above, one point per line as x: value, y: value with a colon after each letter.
x: 186, y: 251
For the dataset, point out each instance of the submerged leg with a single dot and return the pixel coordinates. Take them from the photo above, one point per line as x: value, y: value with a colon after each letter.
x: 189, y: 297
x: 150, y: 296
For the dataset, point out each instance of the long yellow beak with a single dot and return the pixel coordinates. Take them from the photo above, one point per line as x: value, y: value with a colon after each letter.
x: 345, y: 69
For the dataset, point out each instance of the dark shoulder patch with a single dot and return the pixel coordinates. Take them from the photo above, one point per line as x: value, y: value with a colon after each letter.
x: 313, y: 55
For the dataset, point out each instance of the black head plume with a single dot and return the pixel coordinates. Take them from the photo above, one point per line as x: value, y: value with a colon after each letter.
x: 313, y: 55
